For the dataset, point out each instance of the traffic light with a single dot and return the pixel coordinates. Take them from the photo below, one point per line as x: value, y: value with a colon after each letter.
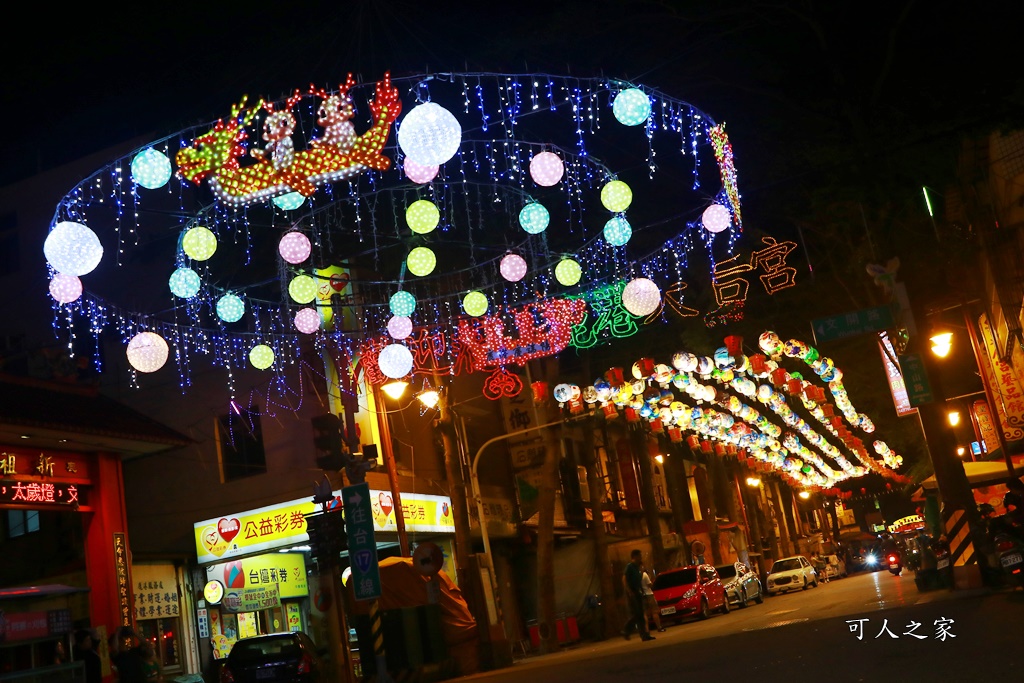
x: 327, y: 440
x: 327, y: 536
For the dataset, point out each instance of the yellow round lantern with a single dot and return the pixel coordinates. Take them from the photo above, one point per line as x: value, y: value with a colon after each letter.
x: 568, y: 272
x: 616, y: 196
x: 199, y: 243
x: 302, y: 289
x: 422, y: 216
x: 475, y: 304
x: 421, y: 261
x: 261, y: 356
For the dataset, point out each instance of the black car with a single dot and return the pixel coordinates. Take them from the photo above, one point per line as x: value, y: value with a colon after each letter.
x: 274, y: 658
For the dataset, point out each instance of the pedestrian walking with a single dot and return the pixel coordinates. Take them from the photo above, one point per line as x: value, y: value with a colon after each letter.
x: 651, y: 611
x: 633, y: 580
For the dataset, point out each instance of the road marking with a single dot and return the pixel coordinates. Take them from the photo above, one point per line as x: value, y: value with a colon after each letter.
x: 776, y: 624
x: 783, y: 611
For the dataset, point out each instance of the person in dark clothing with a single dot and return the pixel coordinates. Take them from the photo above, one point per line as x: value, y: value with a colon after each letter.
x: 85, y: 651
x: 129, y: 660
x: 633, y: 579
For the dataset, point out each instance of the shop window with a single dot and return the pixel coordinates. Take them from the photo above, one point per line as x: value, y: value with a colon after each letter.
x: 21, y: 522
x: 163, y: 635
x: 240, y: 444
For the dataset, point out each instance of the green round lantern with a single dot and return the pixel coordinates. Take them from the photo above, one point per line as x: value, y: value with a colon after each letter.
x: 475, y: 304
x: 568, y: 272
x: 421, y: 261
x: 302, y: 289
x: 199, y: 243
x: 422, y: 216
x: 261, y: 356
x: 616, y: 196
x: 402, y: 303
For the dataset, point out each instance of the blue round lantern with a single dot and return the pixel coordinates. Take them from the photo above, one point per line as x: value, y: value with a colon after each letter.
x: 534, y: 218
x: 230, y: 308
x: 290, y: 201
x: 617, y: 231
x: 184, y: 283
x: 151, y: 169
x: 631, y: 107
x: 402, y: 303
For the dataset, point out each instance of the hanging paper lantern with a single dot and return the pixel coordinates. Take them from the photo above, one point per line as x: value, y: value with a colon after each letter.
x: 151, y: 169
x: 568, y: 272
x: 230, y: 308
x: 512, y: 267
x: 261, y: 356
x: 184, y: 283
x: 617, y: 231
x: 562, y: 392
x: 147, y: 352
x: 422, y: 216
x: 475, y: 304
x: 395, y: 361
x: 307, y: 320
x: 302, y: 289
x: 402, y: 303
x: 429, y: 134
x: 294, y: 247
x: 534, y: 218
x: 399, y: 327
x: 421, y: 261
x: 546, y: 169
x: 290, y: 201
x: 616, y: 196
x: 631, y: 107
x: 419, y: 173
x: 72, y: 249
x: 65, y: 288
x: 199, y: 243
x: 641, y: 297
x: 716, y: 218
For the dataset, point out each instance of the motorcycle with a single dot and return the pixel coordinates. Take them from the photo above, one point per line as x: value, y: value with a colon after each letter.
x: 895, y: 564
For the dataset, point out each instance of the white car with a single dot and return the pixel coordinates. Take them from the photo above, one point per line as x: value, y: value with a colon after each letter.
x: 790, y: 574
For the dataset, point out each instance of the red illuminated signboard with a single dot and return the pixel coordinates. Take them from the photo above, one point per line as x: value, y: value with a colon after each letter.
x: 38, y: 493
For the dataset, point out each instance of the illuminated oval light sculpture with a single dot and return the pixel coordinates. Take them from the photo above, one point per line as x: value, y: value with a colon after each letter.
x: 422, y: 216
x: 617, y: 231
x: 147, y: 352
x: 395, y: 361
x: 475, y: 304
x: 616, y: 196
x: 261, y: 356
x: 230, y: 308
x: 568, y: 272
x: 420, y: 173
x: 562, y: 392
x: 716, y: 218
x: 631, y: 107
x: 399, y: 326
x: 294, y: 247
x: 546, y: 169
x: 641, y: 296
x: 307, y: 320
x: 421, y: 261
x: 151, y: 169
x: 512, y: 267
x: 72, y: 248
x: 199, y: 243
x: 184, y: 283
x: 402, y: 303
x: 65, y: 288
x: 290, y: 201
x: 302, y: 289
x: 534, y: 218
x: 429, y: 134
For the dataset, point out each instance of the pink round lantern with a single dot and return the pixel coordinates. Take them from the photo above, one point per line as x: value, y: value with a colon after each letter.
x: 546, y: 169
x: 419, y: 173
x: 294, y: 247
x: 307, y: 321
x: 399, y: 326
x: 716, y: 218
x: 65, y: 288
x: 513, y: 267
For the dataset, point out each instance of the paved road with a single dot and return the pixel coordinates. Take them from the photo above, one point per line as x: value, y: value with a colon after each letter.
x: 967, y: 636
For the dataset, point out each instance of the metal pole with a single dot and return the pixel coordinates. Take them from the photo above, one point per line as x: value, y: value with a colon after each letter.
x: 392, y: 470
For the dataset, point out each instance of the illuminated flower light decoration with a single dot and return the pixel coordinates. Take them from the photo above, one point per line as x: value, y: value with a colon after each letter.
x: 199, y: 243
x: 512, y: 267
x: 399, y: 327
x: 184, y: 283
x: 395, y: 361
x: 307, y: 320
x: 617, y: 231
x: 230, y: 308
x: 534, y: 218
x: 631, y: 107
x: 546, y: 169
x: 429, y: 134
x: 294, y: 247
x: 420, y: 173
x: 616, y: 196
x: 151, y: 169
x: 72, y: 249
x: 475, y: 304
x: 302, y: 289
x: 422, y: 216
x: 641, y: 297
x: 421, y: 261
x: 568, y: 272
x: 716, y: 218
x: 402, y: 304
x: 261, y: 356
x: 65, y: 289
x: 147, y: 352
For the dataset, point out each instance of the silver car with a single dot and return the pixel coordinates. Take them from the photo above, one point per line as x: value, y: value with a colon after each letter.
x: 740, y: 583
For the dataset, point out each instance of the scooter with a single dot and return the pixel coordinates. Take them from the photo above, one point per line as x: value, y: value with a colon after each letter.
x: 895, y: 565
x: 1011, y: 555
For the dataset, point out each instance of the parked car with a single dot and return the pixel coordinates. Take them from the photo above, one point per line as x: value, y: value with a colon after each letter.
x: 835, y: 566
x: 276, y: 658
x: 740, y: 583
x: 791, y: 573
x: 694, y: 590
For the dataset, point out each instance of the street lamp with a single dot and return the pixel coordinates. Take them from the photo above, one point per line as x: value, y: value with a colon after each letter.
x: 395, y: 389
x: 753, y: 482
x: 954, y: 417
x: 942, y: 341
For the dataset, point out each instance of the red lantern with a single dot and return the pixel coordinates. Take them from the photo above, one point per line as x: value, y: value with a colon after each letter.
x: 827, y: 410
x: 632, y: 415
x: 693, y: 441
x: 675, y: 434
x: 778, y: 377
x: 615, y: 377
x: 645, y: 366
x: 609, y: 410
x: 793, y: 386
x: 719, y: 449
x: 540, y: 391
x: 706, y: 448
x: 757, y: 363
x: 730, y: 449
x: 656, y: 426
x: 734, y: 345
x: 575, y: 406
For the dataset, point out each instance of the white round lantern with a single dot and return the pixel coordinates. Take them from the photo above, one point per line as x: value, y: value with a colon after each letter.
x: 147, y: 352
x: 562, y: 392
x: 307, y: 321
x: 419, y: 173
x: 65, y: 288
x: 151, y: 169
x: 641, y: 297
x: 399, y: 326
x: 631, y: 107
x: 294, y: 247
x: 72, y: 249
x: 716, y: 218
x: 546, y: 169
x: 395, y: 361
x: 429, y: 134
x: 261, y: 356
x: 513, y: 267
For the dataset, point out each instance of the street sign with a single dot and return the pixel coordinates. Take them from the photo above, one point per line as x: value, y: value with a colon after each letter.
x: 851, y: 324
x: 915, y: 378
x: 362, y: 546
